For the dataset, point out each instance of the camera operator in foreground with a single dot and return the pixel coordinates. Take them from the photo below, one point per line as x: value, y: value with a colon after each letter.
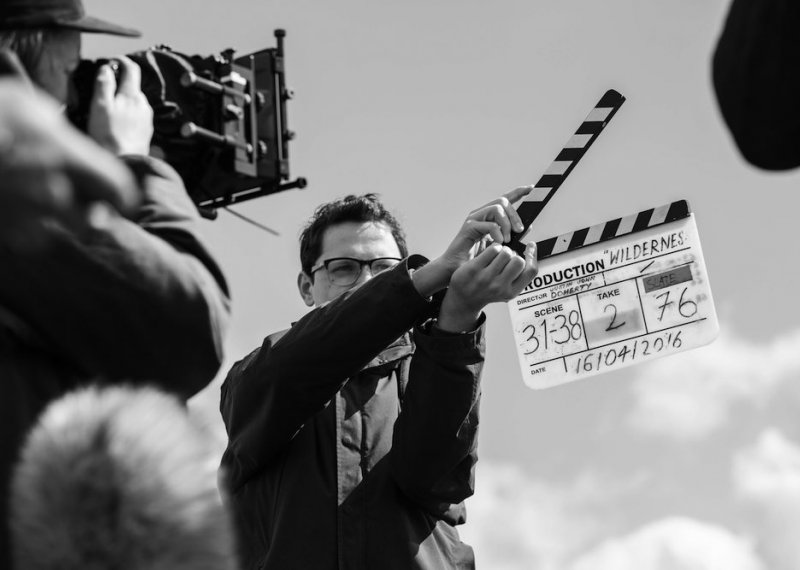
x: 111, y: 298
x: 353, y: 434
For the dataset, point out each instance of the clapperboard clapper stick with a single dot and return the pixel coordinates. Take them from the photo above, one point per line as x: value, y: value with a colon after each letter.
x: 565, y: 162
x: 614, y: 294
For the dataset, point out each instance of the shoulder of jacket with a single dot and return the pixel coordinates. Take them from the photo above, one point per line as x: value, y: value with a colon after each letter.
x: 242, y: 365
x: 275, y: 337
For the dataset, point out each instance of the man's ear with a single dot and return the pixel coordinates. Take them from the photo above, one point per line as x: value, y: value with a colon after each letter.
x: 304, y: 285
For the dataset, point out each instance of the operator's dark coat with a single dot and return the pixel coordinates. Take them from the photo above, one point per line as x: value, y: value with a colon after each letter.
x: 757, y: 80
x: 140, y: 300
x: 329, y: 467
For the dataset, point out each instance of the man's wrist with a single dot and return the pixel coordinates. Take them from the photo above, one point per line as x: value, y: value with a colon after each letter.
x: 455, y: 319
x: 431, y: 278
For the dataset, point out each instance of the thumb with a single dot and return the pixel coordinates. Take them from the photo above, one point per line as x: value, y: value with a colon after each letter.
x: 531, y: 266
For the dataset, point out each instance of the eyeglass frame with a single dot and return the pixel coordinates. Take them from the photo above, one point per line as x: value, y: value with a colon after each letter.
x: 361, y: 264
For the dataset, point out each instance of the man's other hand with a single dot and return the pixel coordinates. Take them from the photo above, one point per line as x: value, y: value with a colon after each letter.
x: 120, y: 118
x: 497, y: 274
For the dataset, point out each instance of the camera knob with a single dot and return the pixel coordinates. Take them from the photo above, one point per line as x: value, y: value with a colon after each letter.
x: 261, y: 100
x: 233, y: 112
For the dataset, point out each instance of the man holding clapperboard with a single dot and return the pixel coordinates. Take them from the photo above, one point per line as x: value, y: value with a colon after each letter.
x: 353, y: 435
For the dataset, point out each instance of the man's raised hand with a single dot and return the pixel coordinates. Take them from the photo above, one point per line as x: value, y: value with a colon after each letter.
x: 494, y: 220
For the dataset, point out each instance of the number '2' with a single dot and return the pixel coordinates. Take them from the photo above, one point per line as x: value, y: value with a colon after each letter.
x: 611, y: 326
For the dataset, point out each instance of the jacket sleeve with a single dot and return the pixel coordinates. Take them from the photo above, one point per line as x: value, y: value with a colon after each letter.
x: 268, y: 396
x: 139, y: 300
x: 434, y: 447
x: 756, y: 75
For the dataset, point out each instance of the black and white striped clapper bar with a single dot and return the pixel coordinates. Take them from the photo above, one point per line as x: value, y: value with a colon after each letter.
x: 565, y: 162
x: 611, y: 229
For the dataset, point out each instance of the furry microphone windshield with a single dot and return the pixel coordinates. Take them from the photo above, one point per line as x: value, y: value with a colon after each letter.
x: 118, y: 478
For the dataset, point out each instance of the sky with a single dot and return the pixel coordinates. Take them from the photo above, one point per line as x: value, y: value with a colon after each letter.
x: 688, y: 462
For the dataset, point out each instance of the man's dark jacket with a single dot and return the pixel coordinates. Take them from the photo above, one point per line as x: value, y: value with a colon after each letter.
x: 140, y: 301
x: 328, y: 466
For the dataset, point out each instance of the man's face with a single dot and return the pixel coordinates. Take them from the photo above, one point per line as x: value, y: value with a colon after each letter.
x: 61, y: 54
x: 359, y: 240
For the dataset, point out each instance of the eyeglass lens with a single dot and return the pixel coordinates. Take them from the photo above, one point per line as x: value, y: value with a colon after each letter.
x: 347, y: 271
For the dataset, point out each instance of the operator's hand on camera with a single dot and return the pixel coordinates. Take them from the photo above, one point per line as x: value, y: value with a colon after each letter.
x: 497, y: 274
x: 50, y: 172
x: 494, y: 221
x: 120, y: 118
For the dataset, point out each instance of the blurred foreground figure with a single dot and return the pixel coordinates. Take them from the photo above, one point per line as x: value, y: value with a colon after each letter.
x: 50, y: 173
x: 756, y: 71
x: 90, y: 293
x: 118, y: 479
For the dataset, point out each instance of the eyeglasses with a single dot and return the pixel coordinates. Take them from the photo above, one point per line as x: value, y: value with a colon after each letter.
x: 344, y: 271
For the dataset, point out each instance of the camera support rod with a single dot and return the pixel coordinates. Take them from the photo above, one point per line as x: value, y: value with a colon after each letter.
x: 191, y: 130
x: 191, y: 79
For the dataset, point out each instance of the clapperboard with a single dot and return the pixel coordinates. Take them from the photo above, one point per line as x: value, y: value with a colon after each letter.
x: 613, y: 294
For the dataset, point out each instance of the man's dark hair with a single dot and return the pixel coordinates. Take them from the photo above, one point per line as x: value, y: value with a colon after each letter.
x: 366, y: 208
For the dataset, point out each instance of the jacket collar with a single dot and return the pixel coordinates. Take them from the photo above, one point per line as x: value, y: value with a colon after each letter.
x: 400, y: 348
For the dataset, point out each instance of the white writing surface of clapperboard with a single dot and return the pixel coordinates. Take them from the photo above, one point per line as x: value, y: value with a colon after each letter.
x: 612, y: 295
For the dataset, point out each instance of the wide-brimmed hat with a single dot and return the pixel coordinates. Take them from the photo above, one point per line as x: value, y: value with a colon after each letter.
x: 27, y: 14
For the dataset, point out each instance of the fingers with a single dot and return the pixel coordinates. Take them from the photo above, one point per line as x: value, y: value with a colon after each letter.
x: 481, y: 246
x: 120, y: 118
x: 496, y: 274
x: 518, y: 193
x: 485, y: 258
x: 497, y: 260
x: 496, y: 220
x: 497, y: 212
x: 131, y: 77
x: 475, y: 231
x: 512, y: 198
x: 503, y: 258
x: 105, y: 87
x: 502, y: 212
x: 504, y: 266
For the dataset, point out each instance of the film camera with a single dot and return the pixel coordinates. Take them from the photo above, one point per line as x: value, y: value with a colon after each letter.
x: 220, y: 120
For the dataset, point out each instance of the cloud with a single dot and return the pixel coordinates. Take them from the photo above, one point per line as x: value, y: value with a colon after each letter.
x: 675, y: 543
x: 516, y: 522
x: 690, y: 395
x: 766, y: 477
